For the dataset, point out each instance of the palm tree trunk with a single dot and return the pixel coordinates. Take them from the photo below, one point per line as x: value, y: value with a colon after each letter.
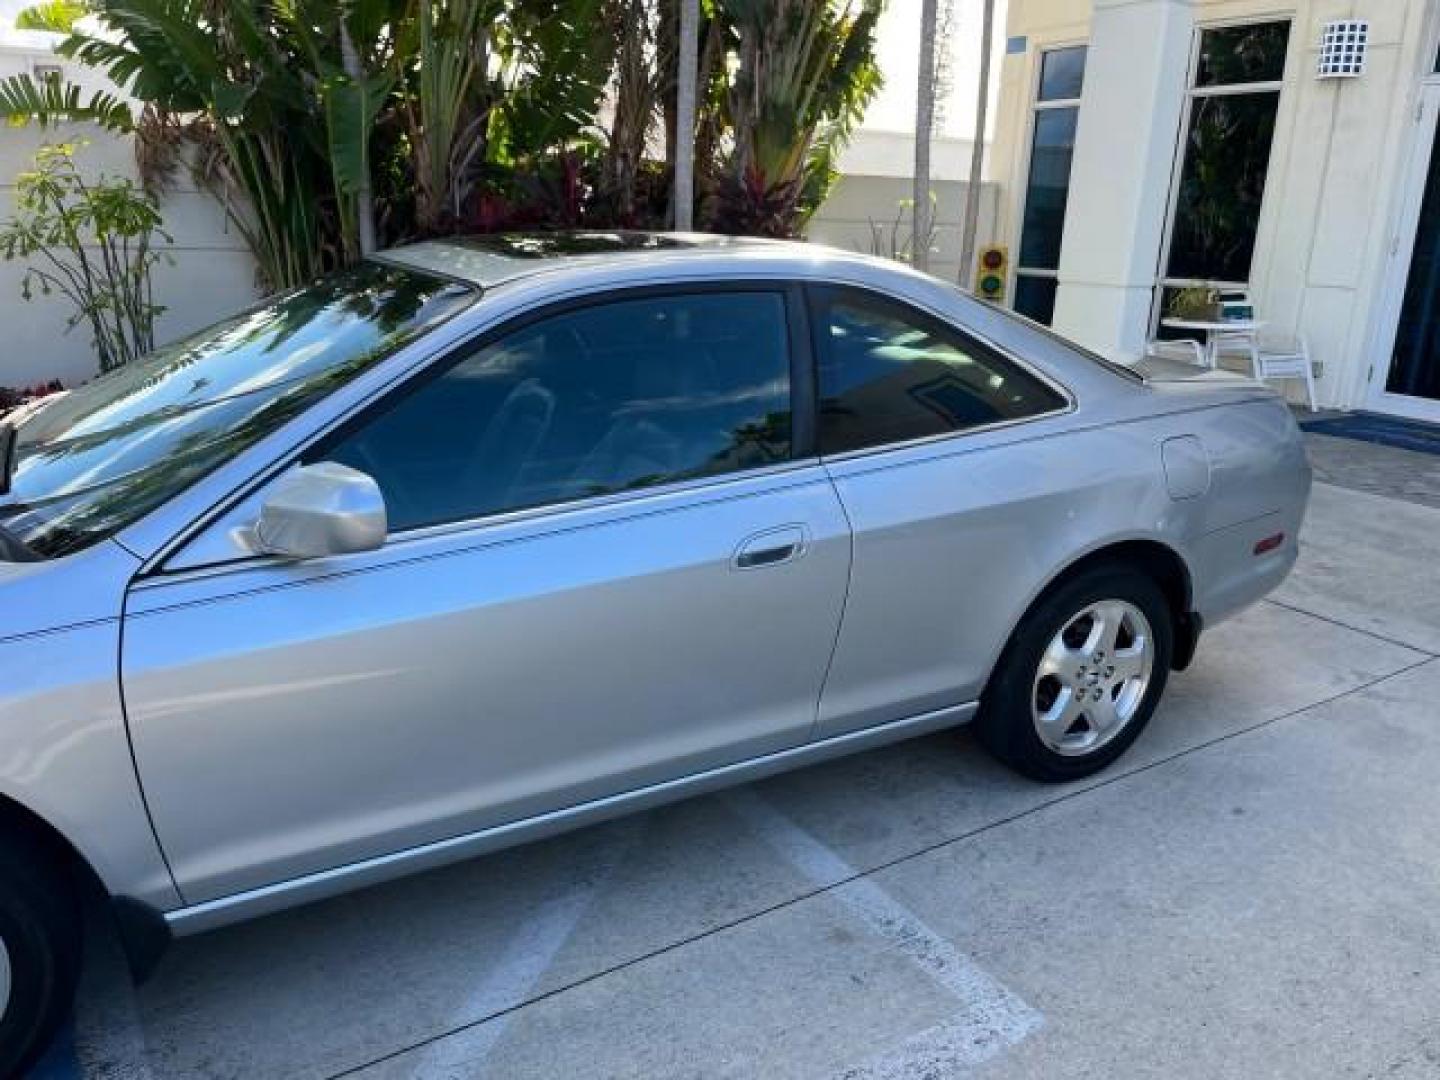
x: 685, y: 91
x: 364, y: 195
x: 977, y: 155
x: 924, y: 123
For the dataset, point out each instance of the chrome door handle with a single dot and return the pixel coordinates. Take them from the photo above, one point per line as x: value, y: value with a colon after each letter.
x: 770, y: 548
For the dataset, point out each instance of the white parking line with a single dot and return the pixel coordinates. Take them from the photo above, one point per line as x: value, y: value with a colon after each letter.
x: 993, y: 1017
x: 514, y: 974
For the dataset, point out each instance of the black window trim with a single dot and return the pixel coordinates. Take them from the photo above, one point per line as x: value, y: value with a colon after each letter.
x: 802, y: 398
x: 923, y: 315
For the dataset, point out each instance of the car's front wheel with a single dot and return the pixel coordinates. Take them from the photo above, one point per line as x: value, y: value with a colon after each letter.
x: 1081, y: 675
x: 39, y: 952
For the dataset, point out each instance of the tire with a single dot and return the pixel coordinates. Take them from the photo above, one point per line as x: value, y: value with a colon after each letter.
x: 40, y: 937
x: 1059, y: 706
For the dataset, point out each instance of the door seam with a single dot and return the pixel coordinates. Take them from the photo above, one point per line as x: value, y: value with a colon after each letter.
x: 130, y: 742
x: 844, y: 603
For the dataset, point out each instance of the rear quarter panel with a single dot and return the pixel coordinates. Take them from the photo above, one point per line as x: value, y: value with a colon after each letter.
x: 955, y: 540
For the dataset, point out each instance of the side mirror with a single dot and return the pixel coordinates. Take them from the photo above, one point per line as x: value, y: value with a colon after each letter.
x: 319, y: 510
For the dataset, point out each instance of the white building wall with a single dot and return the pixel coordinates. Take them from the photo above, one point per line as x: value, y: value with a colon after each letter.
x: 212, y: 275
x: 861, y: 204
x: 1332, y: 200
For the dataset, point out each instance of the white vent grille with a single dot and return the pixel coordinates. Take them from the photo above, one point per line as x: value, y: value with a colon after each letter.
x: 1342, y: 49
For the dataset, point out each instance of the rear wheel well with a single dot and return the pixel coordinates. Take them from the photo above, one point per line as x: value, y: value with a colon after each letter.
x: 1161, y: 564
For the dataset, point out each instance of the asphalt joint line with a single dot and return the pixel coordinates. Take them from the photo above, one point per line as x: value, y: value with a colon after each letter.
x: 1348, y: 626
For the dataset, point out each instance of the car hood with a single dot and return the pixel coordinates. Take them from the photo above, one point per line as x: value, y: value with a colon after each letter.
x: 87, y: 587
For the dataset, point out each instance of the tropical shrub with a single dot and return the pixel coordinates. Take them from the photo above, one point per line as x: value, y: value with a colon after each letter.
x: 805, y: 72
x: 94, y: 243
x: 12, y: 398
x: 329, y: 126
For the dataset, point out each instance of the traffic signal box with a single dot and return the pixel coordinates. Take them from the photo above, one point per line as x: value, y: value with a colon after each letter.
x: 992, y: 271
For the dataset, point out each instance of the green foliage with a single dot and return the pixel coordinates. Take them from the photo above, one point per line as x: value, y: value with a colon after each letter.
x: 318, y: 121
x: 805, y: 72
x: 56, y: 16
x: 1195, y: 302
x: 93, y: 243
x: 23, y: 96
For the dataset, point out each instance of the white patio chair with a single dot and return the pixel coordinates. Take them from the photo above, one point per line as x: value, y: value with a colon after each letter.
x: 1242, y: 343
x: 1287, y: 360
x: 1185, y: 350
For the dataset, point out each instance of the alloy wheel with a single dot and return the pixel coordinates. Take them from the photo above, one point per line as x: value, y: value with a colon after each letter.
x: 1092, y: 677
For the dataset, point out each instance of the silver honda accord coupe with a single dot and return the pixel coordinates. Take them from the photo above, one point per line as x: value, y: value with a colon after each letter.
x: 488, y: 539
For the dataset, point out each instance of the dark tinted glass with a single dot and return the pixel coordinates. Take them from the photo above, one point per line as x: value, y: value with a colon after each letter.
x: 1035, y: 298
x: 1222, y: 186
x: 1048, y: 189
x: 598, y: 400
x: 889, y: 374
x: 104, y: 455
x: 1415, y: 367
x: 1062, y: 74
x: 1243, y: 54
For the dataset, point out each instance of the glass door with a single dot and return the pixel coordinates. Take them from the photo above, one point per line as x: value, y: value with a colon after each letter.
x: 1410, y: 381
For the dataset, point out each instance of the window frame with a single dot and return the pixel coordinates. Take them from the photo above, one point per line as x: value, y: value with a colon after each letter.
x: 816, y: 293
x: 802, y: 396
x: 1194, y: 93
x: 1036, y: 107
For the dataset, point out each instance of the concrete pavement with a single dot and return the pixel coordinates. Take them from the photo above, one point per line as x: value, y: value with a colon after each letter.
x: 1253, y: 891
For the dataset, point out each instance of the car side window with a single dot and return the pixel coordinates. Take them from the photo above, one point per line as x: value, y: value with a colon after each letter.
x: 605, y: 398
x: 889, y: 373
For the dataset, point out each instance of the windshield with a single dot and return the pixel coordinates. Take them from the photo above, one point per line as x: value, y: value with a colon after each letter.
x: 91, y: 462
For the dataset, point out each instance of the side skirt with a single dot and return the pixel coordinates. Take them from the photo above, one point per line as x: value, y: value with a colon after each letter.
x: 255, y: 902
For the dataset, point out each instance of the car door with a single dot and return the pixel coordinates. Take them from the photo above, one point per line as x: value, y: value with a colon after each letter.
x: 917, y: 425
x: 611, y: 563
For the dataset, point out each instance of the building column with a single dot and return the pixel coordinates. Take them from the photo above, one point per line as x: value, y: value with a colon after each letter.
x: 1130, y: 109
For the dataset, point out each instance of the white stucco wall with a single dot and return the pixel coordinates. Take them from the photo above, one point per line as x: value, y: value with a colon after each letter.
x: 212, y: 273
x: 857, y: 200
x: 1324, y: 244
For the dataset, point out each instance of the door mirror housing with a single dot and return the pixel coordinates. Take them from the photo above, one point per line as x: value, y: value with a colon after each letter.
x: 320, y: 510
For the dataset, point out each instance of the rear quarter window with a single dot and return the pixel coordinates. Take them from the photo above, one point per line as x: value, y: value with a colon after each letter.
x: 889, y: 373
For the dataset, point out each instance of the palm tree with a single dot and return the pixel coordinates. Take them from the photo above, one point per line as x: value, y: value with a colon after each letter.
x: 685, y: 88
x: 354, y: 69
x: 977, y: 155
x: 924, y: 123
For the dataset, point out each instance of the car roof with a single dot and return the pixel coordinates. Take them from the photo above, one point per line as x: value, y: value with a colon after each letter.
x: 494, y: 259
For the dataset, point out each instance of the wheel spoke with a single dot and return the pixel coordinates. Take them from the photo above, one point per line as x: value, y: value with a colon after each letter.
x: 1130, y: 663
x: 1061, y: 661
x: 1061, y: 716
x: 1102, y: 715
x: 1111, y: 618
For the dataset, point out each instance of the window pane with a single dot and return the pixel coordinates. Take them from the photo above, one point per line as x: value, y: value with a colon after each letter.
x: 1035, y: 298
x: 889, y: 374
x: 1048, y: 189
x: 1243, y: 54
x: 111, y: 451
x: 1062, y: 74
x: 1222, y: 186
x: 603, y: 399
